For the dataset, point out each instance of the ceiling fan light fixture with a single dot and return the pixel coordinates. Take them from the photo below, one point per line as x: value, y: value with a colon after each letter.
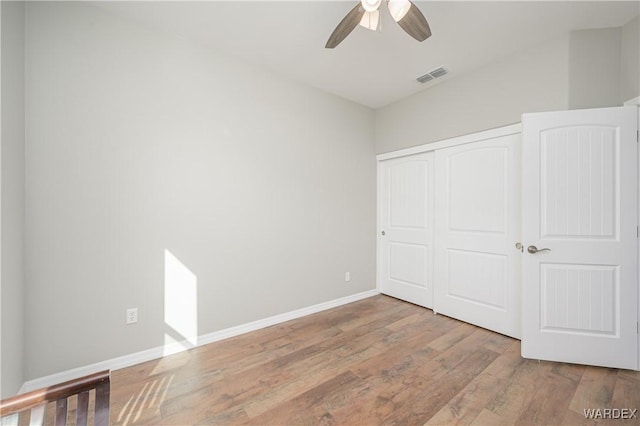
x: 398, y: 8
x: 371, y: 5
x: 370, y: 20
x: 405, y: 13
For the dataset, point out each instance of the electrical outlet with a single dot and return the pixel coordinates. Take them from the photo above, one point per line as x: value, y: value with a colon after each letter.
x: 132, y: 315
x: 347, y: 276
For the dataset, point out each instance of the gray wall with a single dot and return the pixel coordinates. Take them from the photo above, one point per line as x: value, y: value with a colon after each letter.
x: 492, y: 96
x: 142, y: 147
x: 586, y: 69
x: 630, y: 69
x: 12, y: 198
x: 139, y: 144
x: 594, y: 68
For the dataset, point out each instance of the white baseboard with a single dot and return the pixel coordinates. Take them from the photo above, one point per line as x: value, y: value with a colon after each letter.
x: 160, y: 351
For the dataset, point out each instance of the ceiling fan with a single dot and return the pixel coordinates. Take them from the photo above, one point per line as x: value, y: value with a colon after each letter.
x: 367, y: 14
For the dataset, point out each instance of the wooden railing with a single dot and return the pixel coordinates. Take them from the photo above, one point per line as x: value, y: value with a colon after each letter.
x: 36, y: 401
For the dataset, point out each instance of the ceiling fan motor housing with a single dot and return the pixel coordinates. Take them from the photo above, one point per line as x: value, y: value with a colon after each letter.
x: 371, y: 5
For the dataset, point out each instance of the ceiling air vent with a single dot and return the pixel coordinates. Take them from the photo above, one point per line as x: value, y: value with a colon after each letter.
x: 424, y: 78
x: 433, y: 74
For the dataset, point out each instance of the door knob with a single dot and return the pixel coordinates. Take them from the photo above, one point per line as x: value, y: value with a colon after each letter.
x: 520, y: 247
x: 534, y: 249
x: 383, y: 233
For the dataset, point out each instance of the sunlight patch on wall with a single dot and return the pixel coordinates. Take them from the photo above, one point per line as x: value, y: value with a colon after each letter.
x: 180, y: 305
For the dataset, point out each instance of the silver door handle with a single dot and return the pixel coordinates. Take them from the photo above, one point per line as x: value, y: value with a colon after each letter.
x: 534, y: 249
x: 383, y: 233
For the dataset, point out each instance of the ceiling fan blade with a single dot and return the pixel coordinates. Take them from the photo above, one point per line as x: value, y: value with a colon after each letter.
x: 415, y: 24
x: 344, y: 28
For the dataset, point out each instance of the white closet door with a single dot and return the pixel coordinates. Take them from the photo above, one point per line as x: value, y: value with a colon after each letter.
x: 477, y: 222
x: 580, y: 186
x: 405, y: 236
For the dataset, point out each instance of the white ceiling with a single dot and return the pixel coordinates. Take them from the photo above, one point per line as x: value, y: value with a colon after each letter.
x: 372, y: 68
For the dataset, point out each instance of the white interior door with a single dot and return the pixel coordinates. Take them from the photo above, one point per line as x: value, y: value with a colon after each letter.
x: 580, y: 187
x: 405, y: 232
x: 477, y: 222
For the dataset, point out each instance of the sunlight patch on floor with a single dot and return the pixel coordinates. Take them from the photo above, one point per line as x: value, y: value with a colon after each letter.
x: 152, y: 395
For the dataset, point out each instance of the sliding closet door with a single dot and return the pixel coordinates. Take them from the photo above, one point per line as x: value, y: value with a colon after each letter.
x: 477, y: 223
x: 405, y: 234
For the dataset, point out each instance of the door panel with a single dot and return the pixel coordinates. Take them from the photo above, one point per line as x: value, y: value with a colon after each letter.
x: 488, y: 273
x: 580, y: 201
x: 577, y: 182
x: 405, y: 217
x: 579, y: 298
x: 477, y: 223
x: 476, y: 179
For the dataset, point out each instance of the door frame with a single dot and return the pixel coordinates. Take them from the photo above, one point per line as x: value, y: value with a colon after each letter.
x: 636, y: 102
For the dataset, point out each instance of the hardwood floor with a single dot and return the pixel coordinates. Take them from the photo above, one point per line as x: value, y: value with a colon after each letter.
x: 376, y: 361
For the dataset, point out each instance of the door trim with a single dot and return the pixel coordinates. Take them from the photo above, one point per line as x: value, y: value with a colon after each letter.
x: 458, y: 140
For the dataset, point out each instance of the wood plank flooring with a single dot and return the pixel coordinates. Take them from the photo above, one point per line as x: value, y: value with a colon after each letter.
x: 376, y: 361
